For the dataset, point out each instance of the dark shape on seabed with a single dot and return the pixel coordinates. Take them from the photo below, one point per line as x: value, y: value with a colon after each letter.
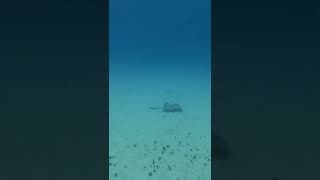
x: 221, y: 149
x: 167, y: 107
x: 154, y: 108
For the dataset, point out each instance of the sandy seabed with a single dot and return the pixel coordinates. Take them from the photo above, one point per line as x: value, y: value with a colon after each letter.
x: 149, y: 144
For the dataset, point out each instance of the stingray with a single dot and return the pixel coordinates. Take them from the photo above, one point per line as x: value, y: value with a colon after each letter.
x: 169, y: 108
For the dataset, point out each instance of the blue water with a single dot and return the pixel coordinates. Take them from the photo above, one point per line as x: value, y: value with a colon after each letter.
x: 169, y: 28
x: 160, y: 51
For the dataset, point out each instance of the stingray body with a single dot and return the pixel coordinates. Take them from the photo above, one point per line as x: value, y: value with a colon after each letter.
x: 167, y: 107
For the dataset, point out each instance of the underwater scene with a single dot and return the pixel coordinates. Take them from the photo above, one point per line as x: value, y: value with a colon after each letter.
x: 159, y: 90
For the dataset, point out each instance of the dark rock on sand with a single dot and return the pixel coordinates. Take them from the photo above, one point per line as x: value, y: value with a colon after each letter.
x: 221, y: 150
x: 167, y: 107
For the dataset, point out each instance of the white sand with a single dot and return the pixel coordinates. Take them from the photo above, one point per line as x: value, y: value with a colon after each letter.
x: 134, y: 128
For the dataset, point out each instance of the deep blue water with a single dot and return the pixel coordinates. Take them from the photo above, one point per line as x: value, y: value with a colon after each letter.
x: 150, y: 34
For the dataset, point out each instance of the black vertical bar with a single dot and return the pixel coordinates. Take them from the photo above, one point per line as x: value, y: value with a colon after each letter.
x: 53, y: 95
x: 266, y: 82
